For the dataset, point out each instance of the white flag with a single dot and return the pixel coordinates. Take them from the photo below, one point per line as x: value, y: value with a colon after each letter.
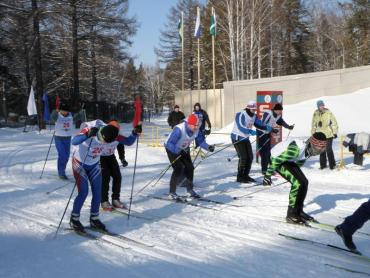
x: 197, y: 25
x: 31, y: 105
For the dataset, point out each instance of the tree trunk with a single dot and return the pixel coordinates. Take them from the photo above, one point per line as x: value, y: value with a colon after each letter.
x: 76, y: 88
x: 37, y: 64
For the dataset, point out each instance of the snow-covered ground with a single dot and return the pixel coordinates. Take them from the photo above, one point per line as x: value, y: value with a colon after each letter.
x: 225, y: 241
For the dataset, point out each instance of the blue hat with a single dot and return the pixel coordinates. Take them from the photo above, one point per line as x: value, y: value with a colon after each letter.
x: 320, y: 103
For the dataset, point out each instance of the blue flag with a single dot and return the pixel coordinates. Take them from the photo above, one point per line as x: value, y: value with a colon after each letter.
x: 46, y: 107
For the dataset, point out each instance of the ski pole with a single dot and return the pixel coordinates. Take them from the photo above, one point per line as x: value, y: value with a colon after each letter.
x: 73, y: 190
x: 161, y: 174
x: 195, y: 158
x: 57, y: 188
x: 289, y: 133
x: 47, y: 155
x: 235, y: 155
x: 259, y: 190
x: 133, y: 180
x: 231, y: 158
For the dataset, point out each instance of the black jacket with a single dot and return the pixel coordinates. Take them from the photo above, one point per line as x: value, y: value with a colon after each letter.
x: 174, y: 118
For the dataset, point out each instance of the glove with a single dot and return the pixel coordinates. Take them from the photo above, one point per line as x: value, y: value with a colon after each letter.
x: 137, y: 130
x: 291, y: 127
x: 267, y: 180
x: 335, y: 136
x: 211, y: 148
x: 207, y: 131
x: 275, y: 130
x: 92, y: 132
x: 252, y: 132
x: 124, y: 162
x: 268, y: 128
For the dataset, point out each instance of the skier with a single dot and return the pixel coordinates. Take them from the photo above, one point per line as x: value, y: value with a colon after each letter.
x: 88, y: 145
x: 63, y: 131
x: 274, y: 119
x: 175, y: 117
x: 177, y: 148
x: 110, y: 168
x: 204, y: 119
x: 286, y: 158
x: 352, y: 223
x: 242, y: 129
x: 324, y: 121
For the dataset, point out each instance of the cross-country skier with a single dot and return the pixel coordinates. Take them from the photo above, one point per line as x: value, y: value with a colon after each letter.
x: 63, y: 132
x: 352, y: 223
x: 274, y: 119
x: 177, y: 148
x: 88, y: 146
x: 110, y: 168
x: 204, y: 120
x: 242, y: 129
x: 175, y: 117
x: 287, y: 158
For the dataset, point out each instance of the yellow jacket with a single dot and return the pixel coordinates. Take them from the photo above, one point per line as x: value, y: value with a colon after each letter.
x: 329, y: 125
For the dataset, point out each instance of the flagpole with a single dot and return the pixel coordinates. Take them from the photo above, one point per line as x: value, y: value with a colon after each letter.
x: 182, y: 59
x: 213, y: 68
x: 198, y: 12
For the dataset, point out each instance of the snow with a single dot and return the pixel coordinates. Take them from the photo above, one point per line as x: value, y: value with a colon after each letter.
x: 225, y: 241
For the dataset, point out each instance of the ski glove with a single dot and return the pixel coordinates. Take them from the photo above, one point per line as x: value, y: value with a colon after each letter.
x: 252, y: 132
x: 92, y: 132
x: 335, y: 136
x: 124, y: 162
x: 291, y: 127
x: 275, y: 130
x: 207, y: 131
x: 267, y: 180
x: 137, y: 130
x: 211, y: 148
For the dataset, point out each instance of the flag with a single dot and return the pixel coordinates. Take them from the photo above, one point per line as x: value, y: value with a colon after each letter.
x: 57, y: 102
x: 197, y: 25
x: 181, y: 29
x: 137, y: 116
x: 31, y: 105
x: 212, y: 28
x: 45, y: 99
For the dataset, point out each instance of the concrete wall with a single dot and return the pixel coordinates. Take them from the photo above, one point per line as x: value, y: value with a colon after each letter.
x: 223, y: 104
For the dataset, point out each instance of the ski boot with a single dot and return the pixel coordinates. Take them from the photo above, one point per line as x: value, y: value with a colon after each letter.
x: 63, y: 177
x: 347, y: 239
x: 96, y: 224
x: 191, y: 194
x: 118, y: 204
x: 76, y: 225
x: 106, y: 206
x: 293, y: 217
x: 174, y: 196
x: 307, y: 217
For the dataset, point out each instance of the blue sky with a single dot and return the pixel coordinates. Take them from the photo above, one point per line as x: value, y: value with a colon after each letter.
x: 151, y: 15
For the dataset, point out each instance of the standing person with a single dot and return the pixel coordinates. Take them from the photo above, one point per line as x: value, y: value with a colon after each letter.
x: 286, y: 158
x: 352, y: 223
x: 63, y: 132
x: 242, y: 129
x: 88, y: 146
x: 274, y: 119
x: 110, y: 168
x: 204, y: 120
x: 175, y: 117
x: 178, y: 152
x: 324, y: 121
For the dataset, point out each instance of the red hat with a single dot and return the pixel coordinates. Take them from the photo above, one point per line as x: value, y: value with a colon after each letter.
x: 192, y: 119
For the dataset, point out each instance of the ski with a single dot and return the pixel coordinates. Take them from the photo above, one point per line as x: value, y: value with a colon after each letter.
x: 348, y: 269
x: 217, y: 202
x: 132, y: 214
x: 329, y: 227
x: 318, y: 243
x: 119, y: 236
x: 184, y: 201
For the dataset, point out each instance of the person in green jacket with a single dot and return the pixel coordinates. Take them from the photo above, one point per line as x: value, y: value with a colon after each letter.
x: 324, y: 121
x: 287, y: 158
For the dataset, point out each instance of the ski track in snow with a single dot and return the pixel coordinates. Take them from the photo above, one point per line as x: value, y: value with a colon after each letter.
x: 188, y: 241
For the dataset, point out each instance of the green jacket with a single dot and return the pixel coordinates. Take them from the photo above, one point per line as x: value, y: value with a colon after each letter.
x: 328, y: 126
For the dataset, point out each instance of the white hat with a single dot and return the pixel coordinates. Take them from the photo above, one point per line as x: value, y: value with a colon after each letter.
x: 252, y: 104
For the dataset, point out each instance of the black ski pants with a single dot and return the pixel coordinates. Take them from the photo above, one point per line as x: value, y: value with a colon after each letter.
x: 355, y: 221
x: 299, y: 184
x: 264, y: 147
x: 110, y: 168
x: 328, y: 153
x: 245, y: 154
x: 181, y: 165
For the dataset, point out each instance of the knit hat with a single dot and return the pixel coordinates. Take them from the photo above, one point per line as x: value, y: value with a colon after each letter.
x: 197, y: 104
x: 278, y: 106
x: 114, y: 123
x: 109, y: 133
x: 320, y: 103
x: 318, y: 139
x: 176, y: 106
x: 64, y: 106
x: 192, y: 119
x: 251, y: 105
